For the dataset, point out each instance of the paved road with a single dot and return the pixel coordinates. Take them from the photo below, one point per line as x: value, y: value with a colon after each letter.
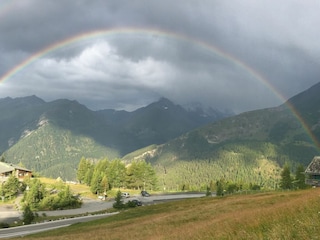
x: 88, y: 206
x: 9, y: 214
x: 91, y: 205
x: 40, y: 227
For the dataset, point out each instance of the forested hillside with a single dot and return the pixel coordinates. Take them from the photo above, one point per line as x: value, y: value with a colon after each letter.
x: 247, y: 149
x: 51, y: 137
x: 58, y: 153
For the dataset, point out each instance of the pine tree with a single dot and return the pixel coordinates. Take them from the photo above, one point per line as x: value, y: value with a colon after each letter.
x: 118, y: 201
x: 141, y: 175
x: 89, y: 173
x: 95, y: 185
x: 300, y: 177
x: 116, y: 173
x: 149, y: 176
x: 28, y: 215
x: 130, y: 181
x: 82, y: 169
x: 104, y: 184
x: 286, y: 180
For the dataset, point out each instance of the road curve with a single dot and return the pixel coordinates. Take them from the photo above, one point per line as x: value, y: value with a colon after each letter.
x: 40, y: 227
x: 89, y: 206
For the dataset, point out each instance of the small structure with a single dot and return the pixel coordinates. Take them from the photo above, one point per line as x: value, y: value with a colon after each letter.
x: 313, y: 172
x: 6, y: 169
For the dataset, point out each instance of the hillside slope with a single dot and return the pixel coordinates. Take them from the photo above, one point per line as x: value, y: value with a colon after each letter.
x: 249, y: 148
x: 18, y: 116
x: 40, y: 134
x: 277, y: 215
x: 58, y: 152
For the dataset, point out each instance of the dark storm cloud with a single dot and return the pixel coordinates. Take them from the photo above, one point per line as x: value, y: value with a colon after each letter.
x: 276, y: 40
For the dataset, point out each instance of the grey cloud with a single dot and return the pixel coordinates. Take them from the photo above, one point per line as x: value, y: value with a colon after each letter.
x: 277, y: 40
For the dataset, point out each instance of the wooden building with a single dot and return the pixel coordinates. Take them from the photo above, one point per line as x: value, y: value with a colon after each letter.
x: 7, y: 169
x: 313, y: 172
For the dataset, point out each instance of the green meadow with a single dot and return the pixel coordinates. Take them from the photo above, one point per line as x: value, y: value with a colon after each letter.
x: 268, y: 215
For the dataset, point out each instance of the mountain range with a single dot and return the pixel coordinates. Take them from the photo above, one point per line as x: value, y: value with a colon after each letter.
x: 189, y: 149
x: 246, y: 149
x: 51, y: 137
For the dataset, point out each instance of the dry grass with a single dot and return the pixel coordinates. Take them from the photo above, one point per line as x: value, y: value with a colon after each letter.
x: 84, y: 190
x: 280, y: 215
x: 81, y: 189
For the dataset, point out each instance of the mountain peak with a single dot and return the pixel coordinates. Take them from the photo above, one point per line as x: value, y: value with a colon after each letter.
x: 307, y: 103
x: 307, y: 95
x: 21, y: 101
x: 164, y: 102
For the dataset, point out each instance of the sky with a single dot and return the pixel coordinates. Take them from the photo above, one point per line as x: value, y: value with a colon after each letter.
x: 238, y: 55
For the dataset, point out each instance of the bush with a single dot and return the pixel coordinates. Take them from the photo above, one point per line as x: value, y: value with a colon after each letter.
x: 28, y: 215
x: 38, y: 198
x: 208, y: 192
x: 220, y: 191
x: 255, y: 187
x: 131, y: 204
x: 4, y: 225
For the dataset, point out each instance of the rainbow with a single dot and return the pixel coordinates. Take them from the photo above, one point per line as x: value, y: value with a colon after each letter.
x: 135, y: 31
x: 157, y: 32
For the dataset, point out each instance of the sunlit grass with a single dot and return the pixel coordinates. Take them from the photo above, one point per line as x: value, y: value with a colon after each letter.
x: 85, y: 191
x: 279, y: 215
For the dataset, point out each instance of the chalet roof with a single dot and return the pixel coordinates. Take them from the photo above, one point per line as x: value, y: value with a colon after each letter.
x: 314, y: 166
x: 8, y: 167
x: 4, y: 167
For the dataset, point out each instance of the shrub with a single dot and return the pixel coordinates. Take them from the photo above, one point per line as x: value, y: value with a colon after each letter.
x: 28, y: 215
x: 208, y: 192
x: 131, y: 204
x: 4, y: 225
x: 220, y: 191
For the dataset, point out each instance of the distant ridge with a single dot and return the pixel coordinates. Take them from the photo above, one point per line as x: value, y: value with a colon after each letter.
x: 249, y: 148
x: 188, y: 148
x: 42, y: 135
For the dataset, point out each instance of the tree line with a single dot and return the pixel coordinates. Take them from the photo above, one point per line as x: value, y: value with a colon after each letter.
x: 288, y: 181
x: 105, y: 175
x: 296, y: 181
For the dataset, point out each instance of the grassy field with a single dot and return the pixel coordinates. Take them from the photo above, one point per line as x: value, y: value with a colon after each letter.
x: 278, y: 215
x: 84, y: 190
